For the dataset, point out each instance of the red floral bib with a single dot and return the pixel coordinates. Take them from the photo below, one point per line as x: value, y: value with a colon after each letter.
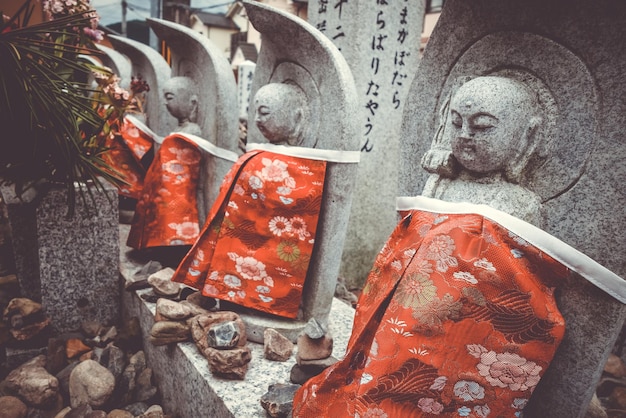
x: 255, y: 247
x: 166, y: 213
x: 457, y: 318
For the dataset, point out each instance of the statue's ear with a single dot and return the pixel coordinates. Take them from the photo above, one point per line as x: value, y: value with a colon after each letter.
x: 527, y: 146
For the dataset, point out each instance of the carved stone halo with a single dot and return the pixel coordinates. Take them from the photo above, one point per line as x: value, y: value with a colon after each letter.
x: 289, y: 72
x: 567, y: 135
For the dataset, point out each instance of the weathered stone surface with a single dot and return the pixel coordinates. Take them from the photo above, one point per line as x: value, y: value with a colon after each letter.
x: 32, y: 383
x: 12, y: 407
x: 90, y: 384
x: 114, y: 359
x: 163, y: 285
x: 230, y: 364
x: 278, y: 400
x: 167, y: 332
x: 276, y: 347
x: 172, y: 310
x: 314, y: 349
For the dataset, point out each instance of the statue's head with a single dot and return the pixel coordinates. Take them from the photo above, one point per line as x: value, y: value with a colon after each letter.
x: 281, y: 111
x: 181, y: 99
x: 491, y: 125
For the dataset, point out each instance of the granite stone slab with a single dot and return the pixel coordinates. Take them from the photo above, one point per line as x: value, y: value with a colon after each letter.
x: 182, y: 374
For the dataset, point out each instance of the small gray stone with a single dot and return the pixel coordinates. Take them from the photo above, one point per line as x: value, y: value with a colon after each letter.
x: 172, y: 310
x: 163, y: 285
x: 278, y: 400
x: 314, y: 329
x: 223, y: 335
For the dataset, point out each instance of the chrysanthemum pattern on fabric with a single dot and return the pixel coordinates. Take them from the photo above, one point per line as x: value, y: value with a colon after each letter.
x: 256, y: 245
x: 457, y: 319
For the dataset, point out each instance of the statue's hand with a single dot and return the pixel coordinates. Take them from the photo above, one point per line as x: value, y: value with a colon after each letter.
x: 440, y: 161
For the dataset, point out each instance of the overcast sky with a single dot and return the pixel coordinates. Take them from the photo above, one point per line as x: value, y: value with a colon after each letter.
x: 110, y: 11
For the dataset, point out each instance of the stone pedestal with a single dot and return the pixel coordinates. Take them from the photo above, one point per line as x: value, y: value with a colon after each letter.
x: 69, y: 264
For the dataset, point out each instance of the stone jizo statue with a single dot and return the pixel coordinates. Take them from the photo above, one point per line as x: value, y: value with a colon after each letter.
x: 181, y: 100
x: 486, y: 140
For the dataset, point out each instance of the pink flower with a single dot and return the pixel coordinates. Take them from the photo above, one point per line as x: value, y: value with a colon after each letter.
x: 186, y: 230
x: 274, y: 170
x: 430, y: 406
x: 250, y: 268
x: 509, y: 370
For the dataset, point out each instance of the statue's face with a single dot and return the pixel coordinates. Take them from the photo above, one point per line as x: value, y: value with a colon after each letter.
x: 487, y: 119
x: 179, y: 99
x: 274, y: 115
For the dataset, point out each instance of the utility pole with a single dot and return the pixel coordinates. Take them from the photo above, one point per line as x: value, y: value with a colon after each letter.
x: 123, y: 28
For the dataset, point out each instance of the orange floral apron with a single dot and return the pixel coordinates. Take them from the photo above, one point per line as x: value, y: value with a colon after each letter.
x: 127, y: 155
x: 255, y: 247
x: 167, y: 213
x: 457, y: 318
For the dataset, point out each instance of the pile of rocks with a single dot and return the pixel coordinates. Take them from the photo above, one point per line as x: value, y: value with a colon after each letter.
x: 96, y: 372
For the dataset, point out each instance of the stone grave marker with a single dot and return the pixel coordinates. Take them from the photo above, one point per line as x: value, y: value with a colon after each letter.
x: 380, y: 41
